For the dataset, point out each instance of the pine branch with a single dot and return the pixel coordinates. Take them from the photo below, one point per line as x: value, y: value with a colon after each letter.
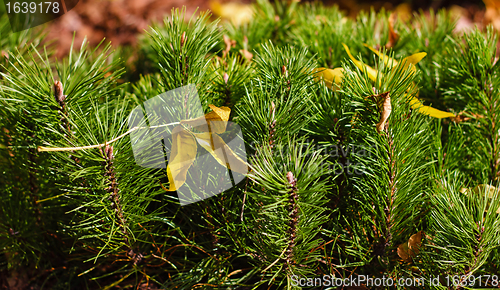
x: 288, y: 236
x: 474, y: 82
x: 390, y: 173
x: 293, y: 215
x: 464, y: 227
x: 182, y: 50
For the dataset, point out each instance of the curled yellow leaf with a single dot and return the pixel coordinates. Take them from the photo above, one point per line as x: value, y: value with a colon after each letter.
x: 220, y: 114
x: 415, y: 58
x: 372, y: 73
x: 331, y: 77
x: 387, y: 60
x: 181, y: 157
x: 221, y: 152
x: 214, y: 122
x: 416, y: 104
x: 391, y: 62
x: 237, y: 13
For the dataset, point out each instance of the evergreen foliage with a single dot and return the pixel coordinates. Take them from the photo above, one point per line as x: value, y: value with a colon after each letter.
x: 343, y: 181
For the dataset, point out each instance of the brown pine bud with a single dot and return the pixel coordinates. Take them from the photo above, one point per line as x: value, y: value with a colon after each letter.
x: 131, y: 253
x: 58, y: 93
x: 109, y: 152
x: 291, y: 179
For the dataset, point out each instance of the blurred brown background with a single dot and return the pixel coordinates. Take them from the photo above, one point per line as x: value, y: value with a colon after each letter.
x: 120, y: 21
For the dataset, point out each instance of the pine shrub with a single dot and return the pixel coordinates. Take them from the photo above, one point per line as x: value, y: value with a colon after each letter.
x: 380, y: 164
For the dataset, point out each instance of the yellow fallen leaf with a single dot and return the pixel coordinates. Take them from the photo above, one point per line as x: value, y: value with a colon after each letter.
x: 372, y: 73
x: 221, y: 113
x: 331, y: 77
x: 237, y: 13
x: 215, y: 121
x: 407, y: 61
x: 184, y: 146
x: 415, y: 58
x: 221, y: 152
x: 404, y: 12
x: 414, y: 242
x: 181, y: 157
x: 416, y: 104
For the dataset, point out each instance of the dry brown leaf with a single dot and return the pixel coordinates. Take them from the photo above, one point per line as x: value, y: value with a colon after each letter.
x: 462, y: 118
x: 407, y: 251
x: 385, y: 110
x: 492, y: 14
x: 393, y: 35
x: 403, y: 252
x: 414, y: 243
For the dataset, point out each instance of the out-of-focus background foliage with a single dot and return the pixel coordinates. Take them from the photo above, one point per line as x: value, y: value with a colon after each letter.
x: 120, y: 21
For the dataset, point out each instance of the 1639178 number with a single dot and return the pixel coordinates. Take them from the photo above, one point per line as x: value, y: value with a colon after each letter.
x: 32, y: 7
